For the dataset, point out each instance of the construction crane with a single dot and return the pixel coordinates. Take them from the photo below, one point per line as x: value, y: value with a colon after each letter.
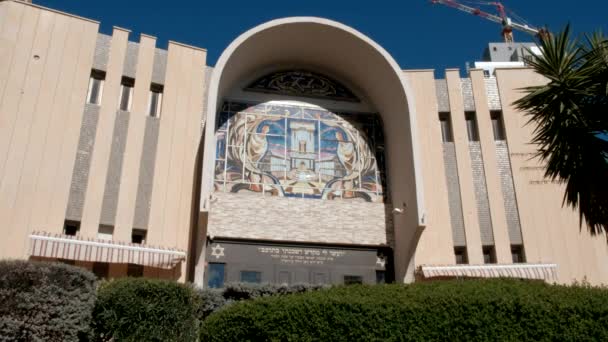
x: 502, y: 18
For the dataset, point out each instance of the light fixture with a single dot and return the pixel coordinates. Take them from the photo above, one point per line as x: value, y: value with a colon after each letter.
x: 399, y: 211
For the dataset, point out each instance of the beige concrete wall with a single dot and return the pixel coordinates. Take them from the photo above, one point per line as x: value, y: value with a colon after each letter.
x: 49, y: 204
x: 45, y: 58
x: 179, y: 137
x: 45, y: 64
x: 435, y: 246
x: 550, y: 233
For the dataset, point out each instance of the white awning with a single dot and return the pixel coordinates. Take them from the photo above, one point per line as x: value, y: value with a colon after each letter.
x: 59, y: 246
x: 547, y: 272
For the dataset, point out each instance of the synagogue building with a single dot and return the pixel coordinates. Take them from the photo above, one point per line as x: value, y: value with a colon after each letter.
x: 306, y: 154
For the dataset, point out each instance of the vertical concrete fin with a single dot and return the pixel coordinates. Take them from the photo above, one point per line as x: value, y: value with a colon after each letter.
x: 129, y: 179
x: 100, y: 160
x: 465, y: 171
x: 115, y: 165
x: 494, y: 199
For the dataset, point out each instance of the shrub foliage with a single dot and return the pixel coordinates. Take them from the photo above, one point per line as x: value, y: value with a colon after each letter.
x: 139, y: 309
x: 214, y: 299
x: 498, y: 310
x: 45, y: 301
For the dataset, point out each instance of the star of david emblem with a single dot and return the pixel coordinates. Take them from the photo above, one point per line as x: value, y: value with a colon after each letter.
x: 217, y: 251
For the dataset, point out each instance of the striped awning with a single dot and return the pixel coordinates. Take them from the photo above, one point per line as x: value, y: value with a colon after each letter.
x: 547, y: 272
x: 58, y: 246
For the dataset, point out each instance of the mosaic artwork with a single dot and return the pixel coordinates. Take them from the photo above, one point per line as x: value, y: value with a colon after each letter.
x: 284, y: 149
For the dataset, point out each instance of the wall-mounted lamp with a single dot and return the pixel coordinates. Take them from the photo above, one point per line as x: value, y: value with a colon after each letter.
x: 399, y: 211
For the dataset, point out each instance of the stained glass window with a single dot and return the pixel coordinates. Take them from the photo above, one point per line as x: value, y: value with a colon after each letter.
x: 291, y: 150
x: 302, y: 83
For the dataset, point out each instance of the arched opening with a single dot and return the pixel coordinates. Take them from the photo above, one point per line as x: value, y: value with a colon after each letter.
x: 341, y: 53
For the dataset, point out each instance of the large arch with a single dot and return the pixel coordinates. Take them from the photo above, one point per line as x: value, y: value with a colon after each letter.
x: 351, y: 56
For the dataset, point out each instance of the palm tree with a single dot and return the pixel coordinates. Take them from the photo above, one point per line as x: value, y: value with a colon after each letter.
x: 570, y: 114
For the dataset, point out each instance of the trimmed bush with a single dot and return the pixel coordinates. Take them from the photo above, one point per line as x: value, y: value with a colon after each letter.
x: 45, y: 301
x: 242, y: 291
x: 214, y: 299
x: 140, y: 309
x: 211, y: 301
x: 498, y: 310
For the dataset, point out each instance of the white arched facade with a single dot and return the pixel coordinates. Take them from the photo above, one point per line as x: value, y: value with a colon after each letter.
x: 346, y: 54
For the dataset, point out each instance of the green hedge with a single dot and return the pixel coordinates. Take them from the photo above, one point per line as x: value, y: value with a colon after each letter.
x: 503, y: 310
x: 214, y: 299
x: 45, y: 301
x: 139, y: 309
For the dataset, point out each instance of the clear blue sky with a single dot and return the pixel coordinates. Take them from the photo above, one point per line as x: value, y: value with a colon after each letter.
x: 417, y: 33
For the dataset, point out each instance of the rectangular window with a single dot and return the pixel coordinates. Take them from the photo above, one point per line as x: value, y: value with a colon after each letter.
x: 156, y: 99
x: 461, y: 255
x: 489, y: 255
x: 216, y: 275
x: 134, y: 270
x: 352, y: 279
x: 251, y: 277
x: 71, y: 227
x: 105, y: 232
x: 446, y: 127
x: 95, y: 87
x: 126, y: 93
x: 471, y: 122
x: 101, y: 270
x: 138, y: 236
x: 498, y: 125
x: 517, y: 254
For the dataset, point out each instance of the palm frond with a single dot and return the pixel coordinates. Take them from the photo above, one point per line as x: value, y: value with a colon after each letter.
x: 567, y: 113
